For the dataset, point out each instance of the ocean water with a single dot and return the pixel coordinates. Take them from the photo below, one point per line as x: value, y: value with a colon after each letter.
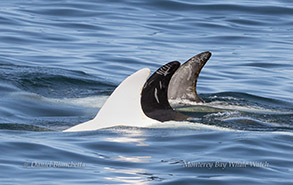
x: 61, y: 59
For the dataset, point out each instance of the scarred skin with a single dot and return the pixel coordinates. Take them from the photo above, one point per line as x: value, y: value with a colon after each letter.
x: 154, y: 100
x: 172, y: 81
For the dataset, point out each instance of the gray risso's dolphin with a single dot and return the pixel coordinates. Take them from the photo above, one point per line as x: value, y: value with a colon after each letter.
x: 154, y: 97
x: 182, y: 86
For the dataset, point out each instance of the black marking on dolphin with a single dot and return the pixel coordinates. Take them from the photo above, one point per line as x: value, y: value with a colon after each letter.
x: 183, y: 83
x: 154, y: 99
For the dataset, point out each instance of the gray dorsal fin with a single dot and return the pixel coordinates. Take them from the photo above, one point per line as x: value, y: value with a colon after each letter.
x: 182, y: 85
x: 154, y: 99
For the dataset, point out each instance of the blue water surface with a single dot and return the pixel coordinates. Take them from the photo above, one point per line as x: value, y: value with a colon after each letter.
x: 61, y: 59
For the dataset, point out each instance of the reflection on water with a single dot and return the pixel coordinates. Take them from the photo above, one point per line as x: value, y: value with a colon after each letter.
x: 126, y: 175
x: 137, y: 159
x: 130, y: 136
x: 137, y: 141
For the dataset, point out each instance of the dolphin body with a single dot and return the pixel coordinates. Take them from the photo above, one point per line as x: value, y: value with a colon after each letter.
x: 142, y: 101
x: 123, y: 106
x: 173, y: 83
x: 154, y: 99
x: 182, y: 87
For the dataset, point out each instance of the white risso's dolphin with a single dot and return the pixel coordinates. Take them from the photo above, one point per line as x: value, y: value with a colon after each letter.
x: 123, y: 107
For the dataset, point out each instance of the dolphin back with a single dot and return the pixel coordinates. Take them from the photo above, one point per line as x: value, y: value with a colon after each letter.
x: 182, y: 87
x: 154, y: 99
x: 122, y: 107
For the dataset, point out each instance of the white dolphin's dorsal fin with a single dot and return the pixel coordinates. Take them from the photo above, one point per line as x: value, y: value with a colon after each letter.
x: 123, y: 107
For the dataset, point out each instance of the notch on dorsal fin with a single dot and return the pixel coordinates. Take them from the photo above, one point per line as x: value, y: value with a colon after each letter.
x: 182, y: 87
x: 154, y: 99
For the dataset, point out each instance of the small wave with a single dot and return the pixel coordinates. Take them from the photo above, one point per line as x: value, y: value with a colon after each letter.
x: 248, y: 103
x: 190, y: 125
x: 91, y: 102
x: 54, y: 82
x: 244, y: 108
x: 23, y: 127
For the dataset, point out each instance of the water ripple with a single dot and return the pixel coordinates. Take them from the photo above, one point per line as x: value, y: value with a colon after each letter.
x: 60, y: 60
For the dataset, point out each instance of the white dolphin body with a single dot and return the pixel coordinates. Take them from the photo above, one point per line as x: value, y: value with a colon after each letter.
x: 123, y: 107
